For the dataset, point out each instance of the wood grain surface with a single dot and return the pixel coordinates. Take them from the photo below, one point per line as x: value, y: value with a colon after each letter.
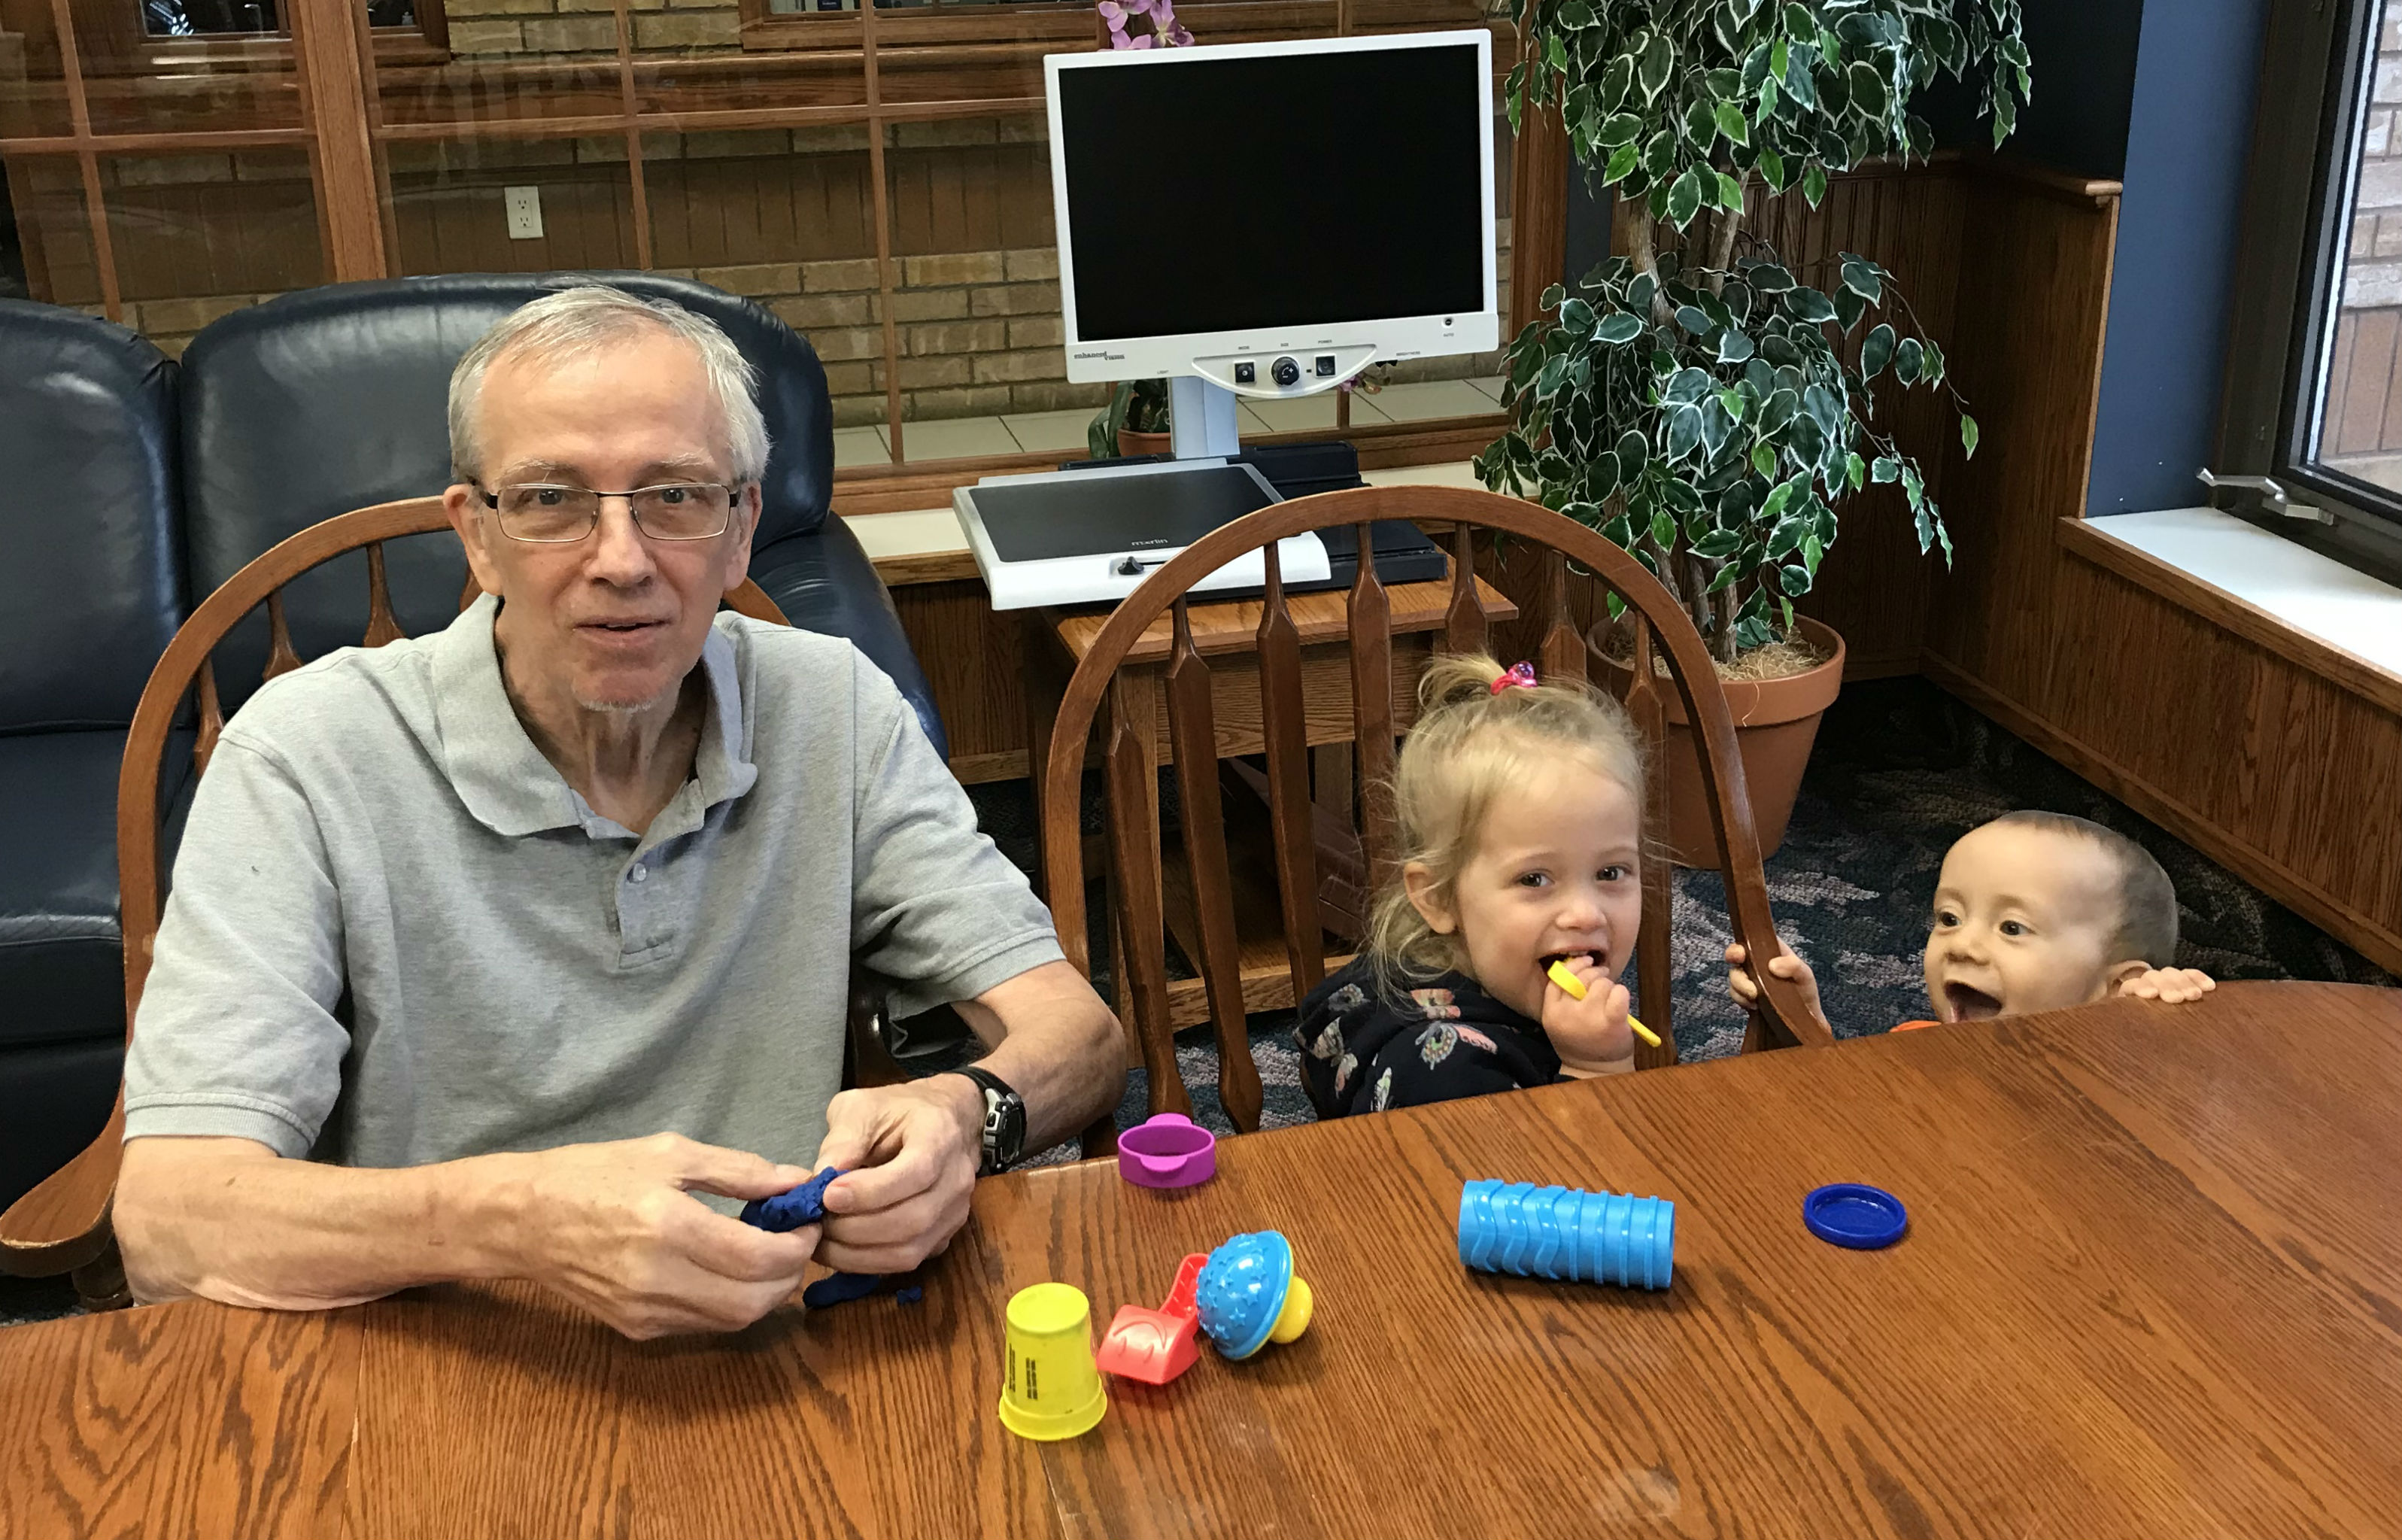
x: 2152, y: 1288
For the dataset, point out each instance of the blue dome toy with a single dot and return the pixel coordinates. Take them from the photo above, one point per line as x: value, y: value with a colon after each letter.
x: 1248, y: 1295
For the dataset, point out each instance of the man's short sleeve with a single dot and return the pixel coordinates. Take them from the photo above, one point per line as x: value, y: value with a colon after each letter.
x: 236, y: 1034
x: 935, y: 906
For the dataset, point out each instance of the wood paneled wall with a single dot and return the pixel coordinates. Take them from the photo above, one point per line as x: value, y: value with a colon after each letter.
x: 2288, y: 779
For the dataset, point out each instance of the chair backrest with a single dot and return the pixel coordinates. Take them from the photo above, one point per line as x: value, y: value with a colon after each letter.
x: 324, y: 400
x: 90, y: 580
x: 1784, y: 1015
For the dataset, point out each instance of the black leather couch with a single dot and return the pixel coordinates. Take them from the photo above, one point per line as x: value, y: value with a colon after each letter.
x: 134, y: 487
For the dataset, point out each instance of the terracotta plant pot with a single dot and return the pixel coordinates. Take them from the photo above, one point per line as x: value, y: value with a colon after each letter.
x: 1131, y: 443
x: 1776, y: 722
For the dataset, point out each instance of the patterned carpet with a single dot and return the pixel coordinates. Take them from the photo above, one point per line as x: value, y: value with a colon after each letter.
x: 1901, y: 770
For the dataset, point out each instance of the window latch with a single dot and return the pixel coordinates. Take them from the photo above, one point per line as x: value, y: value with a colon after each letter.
x: 2273, y: 496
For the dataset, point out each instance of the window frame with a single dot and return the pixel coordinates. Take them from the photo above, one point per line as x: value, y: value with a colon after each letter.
x: 2317, y: 62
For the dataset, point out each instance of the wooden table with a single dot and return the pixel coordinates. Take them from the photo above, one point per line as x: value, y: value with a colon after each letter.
x: 1058, y: 640
x: 2152, y: 1288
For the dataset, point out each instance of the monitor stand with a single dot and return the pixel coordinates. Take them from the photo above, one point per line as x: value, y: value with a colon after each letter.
x: 1201, y: 418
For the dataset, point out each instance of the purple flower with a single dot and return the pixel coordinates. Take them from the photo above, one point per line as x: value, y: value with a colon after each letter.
x: 1179, y: 38
x: 1141, y: 7
x: 1143, y: 42
x: 1114, y: 14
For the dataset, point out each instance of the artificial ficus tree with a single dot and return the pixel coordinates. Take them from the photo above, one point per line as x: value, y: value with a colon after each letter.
x: 1698, y: 402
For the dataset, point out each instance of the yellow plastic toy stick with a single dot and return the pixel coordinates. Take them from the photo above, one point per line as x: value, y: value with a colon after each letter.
x: 1573, y: 988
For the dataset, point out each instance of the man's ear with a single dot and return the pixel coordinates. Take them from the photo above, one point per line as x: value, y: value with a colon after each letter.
x: 1417, y: 880
x: 464, y: 504
x: 2119, y: 974
x: 746, y: 514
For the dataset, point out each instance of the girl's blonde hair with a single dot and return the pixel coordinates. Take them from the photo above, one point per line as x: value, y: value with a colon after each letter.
x: 1471, y: 746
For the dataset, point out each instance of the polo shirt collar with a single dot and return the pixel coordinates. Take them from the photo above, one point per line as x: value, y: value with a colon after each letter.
x: 502, y: 778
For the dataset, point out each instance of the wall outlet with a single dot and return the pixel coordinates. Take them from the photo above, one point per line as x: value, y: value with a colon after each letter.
x: 524, y: 205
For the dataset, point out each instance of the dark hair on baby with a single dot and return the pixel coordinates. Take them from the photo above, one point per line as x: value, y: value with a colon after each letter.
x: 2147, y: 906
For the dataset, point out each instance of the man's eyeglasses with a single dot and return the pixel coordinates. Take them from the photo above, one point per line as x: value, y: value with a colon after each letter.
x: 547, y: 513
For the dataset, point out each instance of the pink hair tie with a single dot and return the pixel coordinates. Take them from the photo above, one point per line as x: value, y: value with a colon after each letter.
x: 1517, y: 674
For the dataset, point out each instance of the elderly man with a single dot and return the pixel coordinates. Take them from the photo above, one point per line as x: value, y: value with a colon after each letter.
x: 488, y: 951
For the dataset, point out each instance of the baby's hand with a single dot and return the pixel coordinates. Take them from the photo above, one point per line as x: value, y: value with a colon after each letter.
x: 1591, y: 1035
x: 2169, y: 986
x: 1746, y: 989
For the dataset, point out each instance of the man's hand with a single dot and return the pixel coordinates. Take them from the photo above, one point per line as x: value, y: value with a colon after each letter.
x: 910, y: 1153
x: 1591, y: 1035
x: 1746, y: 989
x: 614, y: 1228
x: 2169, y: 986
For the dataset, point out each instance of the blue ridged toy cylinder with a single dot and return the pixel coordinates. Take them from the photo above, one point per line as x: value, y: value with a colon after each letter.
x: 1568, y: 1234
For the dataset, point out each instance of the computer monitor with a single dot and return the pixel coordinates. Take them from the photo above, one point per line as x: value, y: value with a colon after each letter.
x: 1274, y: 218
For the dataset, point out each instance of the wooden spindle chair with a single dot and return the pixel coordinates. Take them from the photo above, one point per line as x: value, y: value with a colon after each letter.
x: 1782, y: 1016
x: 63, y: 1224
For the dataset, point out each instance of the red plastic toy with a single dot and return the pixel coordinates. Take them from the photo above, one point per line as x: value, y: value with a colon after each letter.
x: 1154, y: 1346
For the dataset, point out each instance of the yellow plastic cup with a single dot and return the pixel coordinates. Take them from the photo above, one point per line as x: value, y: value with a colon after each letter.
x: 1054, y: 1387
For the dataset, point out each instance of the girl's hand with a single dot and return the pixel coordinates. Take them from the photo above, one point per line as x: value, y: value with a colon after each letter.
x: 2169, y: 986
x: 1591, y: 1035
x: 1746, y: 989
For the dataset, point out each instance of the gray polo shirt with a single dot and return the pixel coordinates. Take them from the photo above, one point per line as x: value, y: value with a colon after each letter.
x: 397, y: 935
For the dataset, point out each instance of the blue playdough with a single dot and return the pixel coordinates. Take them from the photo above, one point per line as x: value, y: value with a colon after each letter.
x: 909, y: 1296
x: 1241, y: 1290
x: 840, y: 1288
x: 789, y: 1211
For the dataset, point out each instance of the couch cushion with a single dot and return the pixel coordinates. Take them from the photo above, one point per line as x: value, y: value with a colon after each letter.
x: 54, y: 1100
x: 90, y: 580
x: 824, y: 582
x: 334, y: 398
x: 62, y: 975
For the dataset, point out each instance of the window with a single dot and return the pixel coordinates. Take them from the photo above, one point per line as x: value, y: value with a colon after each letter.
x: 2314, y: 376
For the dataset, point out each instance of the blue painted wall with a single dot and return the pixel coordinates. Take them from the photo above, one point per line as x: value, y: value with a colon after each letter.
x: 2188, y: 141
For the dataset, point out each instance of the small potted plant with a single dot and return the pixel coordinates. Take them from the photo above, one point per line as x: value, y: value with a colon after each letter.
x: 1134, y: 422
x: 1698, y: 401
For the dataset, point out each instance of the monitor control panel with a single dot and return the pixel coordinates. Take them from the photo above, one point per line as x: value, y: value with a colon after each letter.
x: 1301, y: 370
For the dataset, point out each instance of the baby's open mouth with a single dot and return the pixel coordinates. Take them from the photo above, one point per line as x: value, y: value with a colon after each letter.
x: 1971, y: 1005
x: 1600, y: 959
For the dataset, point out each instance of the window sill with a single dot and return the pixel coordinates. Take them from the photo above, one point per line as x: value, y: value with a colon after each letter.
x: 2341, y: 625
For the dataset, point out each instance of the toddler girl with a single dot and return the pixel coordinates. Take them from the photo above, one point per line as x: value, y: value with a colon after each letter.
x: 1519, y: 808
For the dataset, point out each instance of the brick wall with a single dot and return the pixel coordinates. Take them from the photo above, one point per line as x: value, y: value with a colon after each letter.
x: 2363, y: 409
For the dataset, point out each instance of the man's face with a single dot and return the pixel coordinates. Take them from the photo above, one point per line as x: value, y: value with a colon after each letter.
x: 2023, y: 921
x: 614, y: 621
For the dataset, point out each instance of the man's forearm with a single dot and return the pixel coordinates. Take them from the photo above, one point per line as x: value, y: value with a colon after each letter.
x: 1056, y: 1044
x: 228, y: 1219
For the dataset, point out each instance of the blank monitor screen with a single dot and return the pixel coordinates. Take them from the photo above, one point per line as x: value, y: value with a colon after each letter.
x: 1289, y: 190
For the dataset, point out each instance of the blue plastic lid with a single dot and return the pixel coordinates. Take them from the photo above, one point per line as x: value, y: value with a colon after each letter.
x: 1846, y: 1214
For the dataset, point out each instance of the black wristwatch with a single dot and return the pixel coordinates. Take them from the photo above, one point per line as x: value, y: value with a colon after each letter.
x: 1004, y: 1120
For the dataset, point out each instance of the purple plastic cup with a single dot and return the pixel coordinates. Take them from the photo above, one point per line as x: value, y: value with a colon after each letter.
x: 1167, y: 1151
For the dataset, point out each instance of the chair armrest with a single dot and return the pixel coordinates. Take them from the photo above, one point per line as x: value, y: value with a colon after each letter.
x: 62, y: 1224
x: 866, y: 1059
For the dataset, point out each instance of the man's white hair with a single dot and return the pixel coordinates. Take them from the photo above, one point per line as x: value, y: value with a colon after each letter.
x: 578, y: 322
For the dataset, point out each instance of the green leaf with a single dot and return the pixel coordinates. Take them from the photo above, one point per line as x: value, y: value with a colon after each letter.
x: 1768, y: 278
x: 1856, y: 470
x: 1576, y: 316
x: 1877, y: 352
x: 1810, y: 307
x: 1555, y: 53
x: 1621, y: 161
x: 1763, y: 459
x: 1693, y: 319
x: 1660, y: 155
x: 1778, y: 410
x: 1862, y: 278
x: 1663, y: 529
x: 1813, y: 552
x: 1780, y: 59
x: 1885, y: 468
x: 1730, y: 191
x: 1968, y: 435
x: 1618, y: 330
x: 1621, y: 129
x: 1685, y: 198
x: 1732, y: 123
x: 1718, y: 544
x: 1849, y: 308
x: 1793, y: 580
x: 1551, y: 298
x: 1814, y: 186
x: 1770, y: 510
x: 1615, y: 82
x: 1732, y: 400
x: 1575, y: 15
x: 1733, y: 346
x: 1772, y: 170
x: 1684, y: 432
x: 1651, y: 73
x: 1912, y: 486
x: 1701, y: 126
x: 1907, y: 360
x: 1869, y: 94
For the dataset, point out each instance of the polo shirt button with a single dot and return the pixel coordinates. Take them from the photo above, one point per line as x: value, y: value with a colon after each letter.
x: 641, y: 873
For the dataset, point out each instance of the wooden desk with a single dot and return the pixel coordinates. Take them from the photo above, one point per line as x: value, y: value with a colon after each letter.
x: 2152, y: 1288
x: 1058, y: 640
